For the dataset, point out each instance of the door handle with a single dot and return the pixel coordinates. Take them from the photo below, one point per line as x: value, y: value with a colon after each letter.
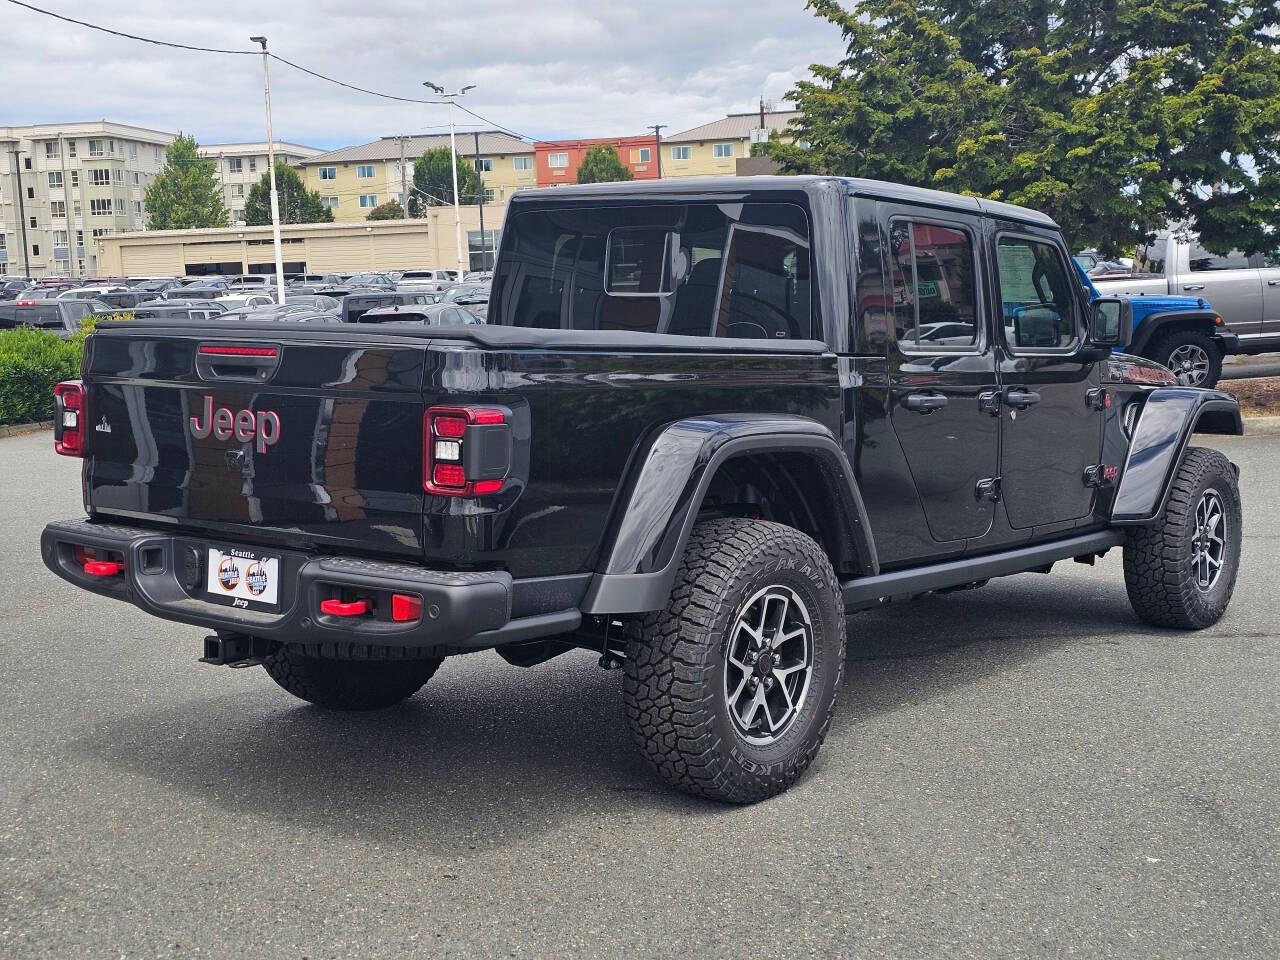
x: 1273, y: 283
x: 924, y: 402
x: 1020, y: 398
x: 1193, y: 286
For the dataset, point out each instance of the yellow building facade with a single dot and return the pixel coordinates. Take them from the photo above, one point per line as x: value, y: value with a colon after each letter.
x: 713, y: 149
x: 354, y: 180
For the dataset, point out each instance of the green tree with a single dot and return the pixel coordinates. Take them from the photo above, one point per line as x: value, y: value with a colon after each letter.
x: 390, y: 210
x: 297, y: 203
x: 433, y: 181
x: 1114, y: 118
x: 601, y: 164
x: 185, y: 194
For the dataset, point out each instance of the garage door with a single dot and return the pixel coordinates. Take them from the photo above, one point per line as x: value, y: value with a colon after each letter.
x: 163, y: 260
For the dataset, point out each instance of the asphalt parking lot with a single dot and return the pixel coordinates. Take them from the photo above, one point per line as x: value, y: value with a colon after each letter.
x: 1022, y: 770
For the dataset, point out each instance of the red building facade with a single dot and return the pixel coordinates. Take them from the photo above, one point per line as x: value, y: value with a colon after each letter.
x: 557, y: 161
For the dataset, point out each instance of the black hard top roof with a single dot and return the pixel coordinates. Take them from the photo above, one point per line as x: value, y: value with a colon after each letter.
x: 773, y: 188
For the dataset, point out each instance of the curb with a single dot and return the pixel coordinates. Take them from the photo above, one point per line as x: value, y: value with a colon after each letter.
x: 1262, y: 426
x: 16, y: 429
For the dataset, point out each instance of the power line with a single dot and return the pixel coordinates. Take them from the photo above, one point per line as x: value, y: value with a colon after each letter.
x: 288, y: 63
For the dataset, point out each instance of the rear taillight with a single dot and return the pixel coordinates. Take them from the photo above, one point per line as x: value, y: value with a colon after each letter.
x: 68, y: 418
x: 466, y: 451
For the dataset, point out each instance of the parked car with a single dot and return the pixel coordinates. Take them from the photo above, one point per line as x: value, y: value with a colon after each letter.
x: 289, y: 313
x: 1244, y: 290
x: 694, y: 470
x: 11, y: 289
x: 372, y: 280
x: 431, y: 280
x: 196, y: 292
x: 316, y: 279
x: 235, y: 301
x: 431, y: 314
x: 483, y: 276
x: 82, y: 293
x: 477, y: 292
x: 178, y: 310
x: 315, y: 301
x: 59, y: 316
x: 222, y: 283
x: 126, y: 299
x: 356, y: 303
x: 153, y: 284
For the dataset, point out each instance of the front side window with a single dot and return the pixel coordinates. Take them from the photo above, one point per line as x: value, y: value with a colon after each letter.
x: 722, y: 151
x: 1036, y: 294
x: 364, y: 171
x: 733, y: 270
x: 935, y: 300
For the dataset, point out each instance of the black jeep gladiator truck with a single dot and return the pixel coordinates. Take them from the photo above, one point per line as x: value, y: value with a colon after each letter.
x: 706, y: 420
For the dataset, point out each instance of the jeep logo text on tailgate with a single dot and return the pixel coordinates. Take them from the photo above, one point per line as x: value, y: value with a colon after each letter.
x: 244, y: 425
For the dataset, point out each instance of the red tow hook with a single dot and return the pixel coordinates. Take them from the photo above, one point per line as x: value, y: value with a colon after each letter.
x: 103, y: 568
x: 336, y: 608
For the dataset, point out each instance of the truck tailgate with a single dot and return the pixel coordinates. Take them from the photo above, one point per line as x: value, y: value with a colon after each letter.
x: 270, y: 436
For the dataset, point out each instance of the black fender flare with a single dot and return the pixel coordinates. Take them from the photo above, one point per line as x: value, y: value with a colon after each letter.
x: 1151, y: 327
x: 659, y: 503
x: 1168, y: 418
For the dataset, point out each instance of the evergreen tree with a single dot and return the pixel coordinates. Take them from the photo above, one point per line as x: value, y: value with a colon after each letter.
x: 433, y: 181
x: 185, y: 194
x: 601, y: 164
x: 297, y: 203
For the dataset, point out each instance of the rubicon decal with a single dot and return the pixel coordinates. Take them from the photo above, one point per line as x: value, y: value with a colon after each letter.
x: 245, y: 425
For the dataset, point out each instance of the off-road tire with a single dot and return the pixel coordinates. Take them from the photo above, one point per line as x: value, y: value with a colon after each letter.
x: 1158, y: 571
x: 1164, y: 348
x: 675, y: 662
x: 348, y: 684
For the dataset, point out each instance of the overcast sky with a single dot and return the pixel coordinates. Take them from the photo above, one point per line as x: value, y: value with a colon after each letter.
x: 543, y: 68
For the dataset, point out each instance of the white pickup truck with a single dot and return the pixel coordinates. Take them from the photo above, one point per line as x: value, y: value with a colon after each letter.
x: 1245, y: 290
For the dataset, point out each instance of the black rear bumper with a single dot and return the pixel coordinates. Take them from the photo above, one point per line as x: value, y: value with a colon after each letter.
x: 460, y: 610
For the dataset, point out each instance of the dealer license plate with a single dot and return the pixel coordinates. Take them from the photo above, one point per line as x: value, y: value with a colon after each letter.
x: 243, y: 578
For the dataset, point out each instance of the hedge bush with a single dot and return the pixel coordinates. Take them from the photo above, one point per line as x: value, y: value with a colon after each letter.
x: 32, y: 363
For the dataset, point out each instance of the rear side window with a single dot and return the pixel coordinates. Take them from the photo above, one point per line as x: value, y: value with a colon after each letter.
x: 935, y: 299
x: 1150, y: 257
x: 1037, y: 300
x: 1202, y: 261
x: 732, y: 270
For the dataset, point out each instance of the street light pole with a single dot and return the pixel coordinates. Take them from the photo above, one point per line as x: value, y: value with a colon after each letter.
x: 271, y: 165
x: 453, y: 156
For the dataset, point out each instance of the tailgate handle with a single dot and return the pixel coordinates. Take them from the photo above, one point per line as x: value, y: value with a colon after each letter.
x: 252, y: 363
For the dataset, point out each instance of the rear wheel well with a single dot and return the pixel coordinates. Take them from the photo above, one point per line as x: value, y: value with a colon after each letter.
x: 792, y: 488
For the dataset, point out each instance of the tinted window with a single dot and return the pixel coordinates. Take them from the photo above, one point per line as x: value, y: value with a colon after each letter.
x: 1150, y: 257
x: 1203, y: 261
x: 935, y: 301
x: 701, y: 269
x: 1037, y: 299
x: 43, y: 316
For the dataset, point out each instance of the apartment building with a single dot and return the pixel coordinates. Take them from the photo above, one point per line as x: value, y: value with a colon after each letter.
x: 354, y: 180
x: 241, y: 165
x: 558, y: 160
x: 714, y: 149
x: 62, y: 185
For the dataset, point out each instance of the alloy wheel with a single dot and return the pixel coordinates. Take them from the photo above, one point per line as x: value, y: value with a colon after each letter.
x: 1190, y: 364
x: 1209, y: 544
x: 768, y: 664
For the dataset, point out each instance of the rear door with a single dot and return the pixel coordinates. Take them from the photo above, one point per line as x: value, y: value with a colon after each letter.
x: 942, y: 368
x: 1051, y: 412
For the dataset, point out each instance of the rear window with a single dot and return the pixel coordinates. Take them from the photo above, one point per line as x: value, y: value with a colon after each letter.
x: 736, y: 270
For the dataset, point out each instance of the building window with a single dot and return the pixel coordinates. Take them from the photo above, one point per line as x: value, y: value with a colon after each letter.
x: 364, y: 171
x: 118, y: 176
x: 120, y: 205
x: 489, y: 195
x: 643, y: 155
x: 59, y: 238
x: 58, y: 208
x: 484, y: 164
x: 75, y: 208
x: 156, y: 152
x: 133, y: 150
x: 237, y: 189
x: 368, y: 200
x: 136, y: 179
x: 51, y: 151
x: 137, y: 208
x: 31, y: 193
x: 75, y: 178
x: 101, y: 148
x: 100, y: 207
x: 233, y: 165
x: 26, y: 163
x: 722, y: 151
x: 55, y: 179
x: 79, y: 238
x: 330, y: 203
x: 102, y: 232
x: 33, y: 223
x: 253, y: 164
x: 328, y: 173
x: 35, y: 249
x: 99, y: 177
x: 557, y: 161
x: 681, y: 153
x: 522, y: 163
x: 71, y: 148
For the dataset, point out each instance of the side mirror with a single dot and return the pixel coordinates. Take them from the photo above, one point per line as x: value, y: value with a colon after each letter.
x: 1111, y: 322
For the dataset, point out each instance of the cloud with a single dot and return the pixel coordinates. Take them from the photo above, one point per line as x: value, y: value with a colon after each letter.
x: 552, y: 69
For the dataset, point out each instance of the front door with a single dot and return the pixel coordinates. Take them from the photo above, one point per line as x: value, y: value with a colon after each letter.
x: 1051, y: 404
x: 1232, y: 287
x: 942, y: 370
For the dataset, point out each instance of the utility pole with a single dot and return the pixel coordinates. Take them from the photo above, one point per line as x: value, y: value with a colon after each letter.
x: 762, y: 111
x: 22, y: 215
x: 484, y: 256
x: 453, y: 155
x: 271, y: 163
x: 404, y: 186
x: 657, y: 129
